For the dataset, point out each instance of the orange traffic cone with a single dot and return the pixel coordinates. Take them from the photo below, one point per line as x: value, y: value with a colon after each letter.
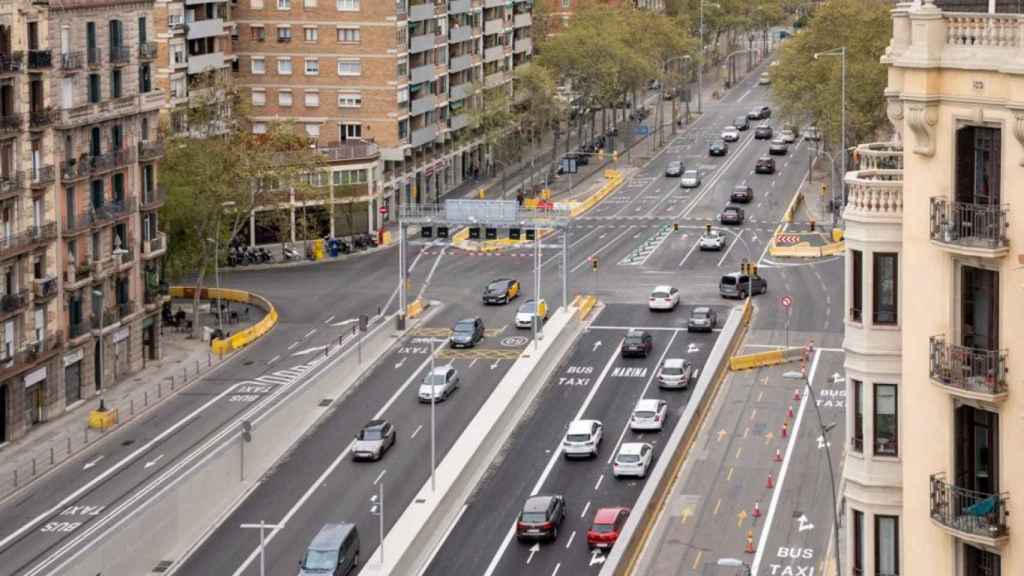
x: 750, y: 542
x: 785, y: 429
x: 771, y: 481
x: 796, y: 394
x: 789, y: 412
x: 757, y: 510
x: 778, y: 455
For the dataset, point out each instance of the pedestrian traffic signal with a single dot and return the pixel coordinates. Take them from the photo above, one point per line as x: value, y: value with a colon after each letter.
x: 426, y: 232
x: 675, y: 227
x: 531, y: 233
x: 474, y: 233
x: 707, y: 229
x: 442, y: 232
x: 813, y: 225
x: 514, y: 233
x: 593, y: 263
x: 491, y: 233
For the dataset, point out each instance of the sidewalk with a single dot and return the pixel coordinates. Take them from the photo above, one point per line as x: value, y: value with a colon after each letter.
x: 52, y: 443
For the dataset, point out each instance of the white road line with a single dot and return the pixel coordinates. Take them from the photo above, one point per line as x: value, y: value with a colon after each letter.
x: 740, y: 99
x: 559, y: 565
x: 729, y: 249
x: 585, y: 508
x: 599, y: 480
x: 692, y: 248
x: 555, y: 455
x: 794, y: 435
x: 437, y: 548
x: 379, y: 476
x: 642, y: 392
x: 416, y: 431
x: 430, y: 275
x: 310, y: 333
x: 274, y: 359
x: 569, y: 543
x: 709, y: 186
x: 329, y: 320
x: 293, y: 345
x: 604, y: 247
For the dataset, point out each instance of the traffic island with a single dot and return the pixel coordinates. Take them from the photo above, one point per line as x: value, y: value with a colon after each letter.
x: 242, y: 338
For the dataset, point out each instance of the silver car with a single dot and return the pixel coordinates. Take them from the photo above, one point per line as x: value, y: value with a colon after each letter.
x: 439, y: 384
x: 373, y: 440
x: 690, y: 179
x: 675, y: 373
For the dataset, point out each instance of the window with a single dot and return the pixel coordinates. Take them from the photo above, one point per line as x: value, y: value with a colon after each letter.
x: 348, y: 35
x: 886, y: 429
x: 94, y: 88
x: 312, y: 66
x: 857, y: 438
x: 978, y: 165
x: 567, y: 4
x: 256, y: 4
x: 284, y: 66
x: 178, y: 88
x: 312, y: 99
x: 857, y: 289
x: 309, y: 3
x: 313, y: 130
x: 403, y: 68
x: 284, y: 98
x: 284, y: 4
x: 179, y: 54
x: 858, y: 542
x: 887, y: 546
x: 259, y: 97
x: 310, y: 34
x: 142, y: 30
x: 145, y: 80
x: 259, y: 65
x: 350, y: 100
x: 351, y: 131
x: 257, y: 32
x: 349, y: 67
x: 348, y: 177
x: 885, y: 294
x: 284, y: 34
x: 259, y: 127
x: 348, y: 5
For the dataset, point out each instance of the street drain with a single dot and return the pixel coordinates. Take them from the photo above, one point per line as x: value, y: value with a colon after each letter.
x: 421, y: 500
x: 127, y: 442
x: 247, y: 363
x: 326, y: 402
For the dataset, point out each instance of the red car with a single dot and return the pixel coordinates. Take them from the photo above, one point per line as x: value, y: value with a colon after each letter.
x: 608, y: 522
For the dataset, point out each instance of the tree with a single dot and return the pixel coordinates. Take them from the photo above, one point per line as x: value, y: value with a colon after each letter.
x: 493, y: 119
x: 542, y: 24
x: 808, y: 89
x: 218, y: 172
x: 537, y: 108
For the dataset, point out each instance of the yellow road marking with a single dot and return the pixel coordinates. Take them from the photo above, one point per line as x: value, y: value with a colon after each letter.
x: 729, y: 477
x: 746, y: 432
x: 696, y: 561
x: 761, y: 395
x: 717, y: 504
x: 753, y: 413
x: 738, y: 452
x: 477, y: 354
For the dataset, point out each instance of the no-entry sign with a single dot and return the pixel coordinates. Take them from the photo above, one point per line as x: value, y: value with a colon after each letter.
x: 786, y: 302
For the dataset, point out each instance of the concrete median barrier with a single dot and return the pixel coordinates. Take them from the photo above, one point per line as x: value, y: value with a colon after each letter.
x: 242, y: 338
x: 748, y: 361
x: 421, y: 527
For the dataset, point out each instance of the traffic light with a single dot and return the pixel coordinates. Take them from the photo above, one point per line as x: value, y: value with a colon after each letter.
x: 813, y: 225
x: 474, y: 233
x: 707, y: 229
x: 491, y: 233
x: 675, y: 227
x: 531, y: 233
x: 514, y: 233
x: 745, y: 268
x: 442, y: 232
x: 426, y: 232
x: 753, y: 269
x: 593, y: 263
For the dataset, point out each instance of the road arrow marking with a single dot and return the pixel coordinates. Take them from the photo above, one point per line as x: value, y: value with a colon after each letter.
x: 495, y: 365
x: 837, y: 378
x: 343, y: 322
x: 822, y: 443
x: 93, y: 463
x: 309, y: 350
x: 740, y: 518
x: 533, y: 550
x: 692, y: 349
x: 804, y: 524
x: 596, y: 557
x: 596, y: 346
x: 153, y: 462
x: 400, y: 362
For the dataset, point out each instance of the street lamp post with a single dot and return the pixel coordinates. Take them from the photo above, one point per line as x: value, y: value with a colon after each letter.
x: 700, y: 65
x: 262, y: 527
x: 99, y: 385
x: 216, y: 274
x: 841, y: 52
x: 684, y: 58
x: 433, y: 401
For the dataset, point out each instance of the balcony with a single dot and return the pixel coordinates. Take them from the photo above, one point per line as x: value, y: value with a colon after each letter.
x: 424, y: 135
x: 154, y: 296
x: 120, y: 55
x: 421, y: 43
x: 458, y: 121
x: 422, y: 74
x: 970, y: 229
x: 78, y: 329
x: 13, y: 62
x: 968, y: 372
x: 41, y: 119
x: 150, y: 150
x: 496, y: 26
x: 32, y: 237
x: 965, y: 40
x: 103, y: 268
x: 125, y: 309
x: 205, y: 62
x: 875, y: 196
x: 154, y: 247
x: 460, y: 34
x: 493, y: 3
x: 523, y: 46
x: 10, y: 186
x: 107, y: 318
x: 495, y: 79
x: 493, y: 53
x: 94, y: 57
x: 153, y: 199
x: 41, y: 176
x: 205, y: 28
x: 72, y: 60
x: 44, y: 288
x: 40, y: 59
x: 112, y: 211
x: 460, y: 91
x: 523, y: 20
x: 10, y: 124
x: 458, y: 6
x: 972, y: 516
x: 13, y: 303
x: 459, y: 63
x: 77, y: 276
x: 418, y: 12
x: 422, y: 104
x: 147, y: 51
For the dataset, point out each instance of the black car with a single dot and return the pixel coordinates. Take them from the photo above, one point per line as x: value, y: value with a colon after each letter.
x: 760, y: 113
x: 637, y: 343
x: 731, y: 215
x: 778, y: 147
x: 541, y: 517
x: 742, y: 123
x: 467, y: 333
x: 674, y: 169
x: 702, y: 319
x: 763, y: 132
x: 501, y: 291
x: 742, y: 194
x: 765, y: 165
x: 718, y: 148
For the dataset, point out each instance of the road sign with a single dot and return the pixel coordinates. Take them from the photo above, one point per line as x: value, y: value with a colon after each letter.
x: 786, y: 302
x: 383, y: 210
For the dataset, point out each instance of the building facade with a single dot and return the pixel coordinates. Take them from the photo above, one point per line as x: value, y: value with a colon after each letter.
x: 932, y: 290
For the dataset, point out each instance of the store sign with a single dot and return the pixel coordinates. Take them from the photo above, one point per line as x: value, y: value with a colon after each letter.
x: 73, y: 357
x: 121, y: 334
x: 35, y: 377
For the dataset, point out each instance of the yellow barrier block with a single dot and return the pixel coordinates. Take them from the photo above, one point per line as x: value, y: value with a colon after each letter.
x: 748, y: 361
x: 414, y: 309
x: 793, y: 205
x: 837, y: 234
x: 386, y: 237
x: 102, y: 420
x: 530, y: 203
x: 833, y: 249
x: 586, y: 304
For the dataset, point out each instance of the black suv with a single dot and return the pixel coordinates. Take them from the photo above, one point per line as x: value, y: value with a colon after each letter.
x: 718, y: 148
x: 742, y: 194
x: 765, y: 165
x: 763, y: 132
x: 541, y: 517
x: 637, y: 343
x: 467, y: 333
x: 742, y: 123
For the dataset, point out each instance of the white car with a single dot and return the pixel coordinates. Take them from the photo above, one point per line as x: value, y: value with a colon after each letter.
x: 713, y: 240
x: 439, y: 384
x: 633, y: 459
x: 690, y: 179
x: 675, y: 373
x: 788, y: 136
x: 731, y: 134
x: 649, y: 414
x: 524, y: 316
x: 663, y: 298
x: 583, y: 438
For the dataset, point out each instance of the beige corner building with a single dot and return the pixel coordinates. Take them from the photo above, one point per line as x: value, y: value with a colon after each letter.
x: 933, y: 290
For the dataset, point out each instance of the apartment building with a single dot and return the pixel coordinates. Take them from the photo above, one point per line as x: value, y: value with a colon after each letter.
x: 401, y: 75
x: 932, y: 292
x: 192, y: 39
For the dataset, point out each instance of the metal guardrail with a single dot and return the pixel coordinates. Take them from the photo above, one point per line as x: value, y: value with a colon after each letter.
x: 965, y: 368
x: 968, y: 511
x: 969, y: 225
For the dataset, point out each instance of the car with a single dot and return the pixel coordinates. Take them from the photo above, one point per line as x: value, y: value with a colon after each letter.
x: 731, y: 215
x: 739, y: 285
x: 741, y: 194
x: 633, y: 459
x: 525, y: 314
x: 675, y: 373
x: 718, y: 148
x: 373, y: 440
x: 730, y: 134
x: 742, y: 123
x: 663, y: 298
x: 439, y: 384
x: 702, y: 319
x: 690, y: 179
x: 605, y: 528
x: 467, y: 333
x: 648, y: 414
x: 501, y: 291
x: 764, y: 79
x: 583, y: 438
x: 637, y: 343
x: 713, y: 240
x: 760, y: 113
x: 334, y: 550
x: 765, y: 165
x: 541, y: 517
x: 763, y: 132
x: 778, y: 147
x: 674, y: 169
x: 788, y: 135
x: 812, y: 133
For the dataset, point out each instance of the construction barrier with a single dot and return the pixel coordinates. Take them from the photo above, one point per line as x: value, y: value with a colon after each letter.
x: 415, y: 308
x: 794, y: 204
x: 748, y: 361
x: 242, y: 338
x: 614, y: 180
x: 104, y: 420
x: 585, y: 304
x: 804, y: 250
